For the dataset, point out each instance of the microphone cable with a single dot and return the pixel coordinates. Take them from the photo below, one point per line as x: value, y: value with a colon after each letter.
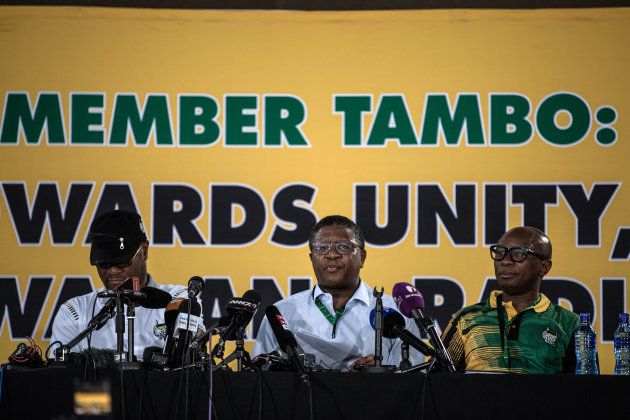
x: 88, y: 353
x: 186, y: 359
x: 184, y: 369
x: 211, y: 407
x: 122, y: 381
x: 310, y: 398
x: 424, y: 387
x: 260, y: 393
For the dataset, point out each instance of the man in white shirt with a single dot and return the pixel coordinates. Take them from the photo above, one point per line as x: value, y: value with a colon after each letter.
x: 332, y: 320
x: 119, y: 251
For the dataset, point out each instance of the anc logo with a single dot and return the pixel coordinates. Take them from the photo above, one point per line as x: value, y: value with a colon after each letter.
x: 159, y: 330
x: 549, y: 337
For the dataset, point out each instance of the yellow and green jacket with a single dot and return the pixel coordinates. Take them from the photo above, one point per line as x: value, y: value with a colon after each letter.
x: 487, y: 337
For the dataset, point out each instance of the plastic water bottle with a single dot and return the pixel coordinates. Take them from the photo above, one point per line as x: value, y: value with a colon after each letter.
x: 586, y: 348
x: 622, y: 346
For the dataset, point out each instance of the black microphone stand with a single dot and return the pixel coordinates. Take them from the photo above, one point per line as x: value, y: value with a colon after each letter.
x: 241, y: 355
x: 404, y: 355
x: 442, y: 356
x: 61, y: 352
x: 125, y: 360
x: 378, y: 366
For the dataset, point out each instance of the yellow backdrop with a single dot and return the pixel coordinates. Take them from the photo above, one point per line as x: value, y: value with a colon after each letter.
x: 486, y: 113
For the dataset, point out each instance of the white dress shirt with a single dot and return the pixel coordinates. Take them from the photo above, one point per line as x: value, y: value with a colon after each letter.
x: 75, y: 314
x: 353, y: 329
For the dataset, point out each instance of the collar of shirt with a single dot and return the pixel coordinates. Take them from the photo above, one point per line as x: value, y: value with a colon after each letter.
x: 362, y: 294
x: 539, y: 305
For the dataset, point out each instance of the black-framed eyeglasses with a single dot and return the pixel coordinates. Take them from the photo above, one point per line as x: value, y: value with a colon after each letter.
x: 342, y: 247
x: 106, y: 266
x: 517, y: 253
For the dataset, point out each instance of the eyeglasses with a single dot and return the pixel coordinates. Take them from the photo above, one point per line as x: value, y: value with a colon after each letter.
x: 517, y: 253
x: 105, y: 266
x: 342, y: 247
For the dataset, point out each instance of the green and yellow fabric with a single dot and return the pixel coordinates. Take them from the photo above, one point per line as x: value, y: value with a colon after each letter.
x: 493, y: 336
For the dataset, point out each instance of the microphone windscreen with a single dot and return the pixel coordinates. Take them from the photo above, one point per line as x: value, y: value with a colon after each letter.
x: 407, y: 298
x: 386, y: 311
x: 154, y: 298
x: 195, y: 307
x: 390, y: 321
x: 252, y: 295
x: 281, y: 331
x: 170, y: 314
x: 183, y: 321
x: 196, y: 281
x: 244, y: 307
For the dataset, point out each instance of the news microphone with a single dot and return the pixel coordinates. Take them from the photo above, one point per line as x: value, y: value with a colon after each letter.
x: 106, y: 313
x: 185, y: 327
x: 147, y: 297
x: 386, y: 311
x: 411, y: 304
x: 153, y: 298
x: 394, y: 327
x: 185, y: 321
x: 285, y: 338
x: 218, y: 327
x: 119, y: 293
x: 241, y: 311
x: 195, y: 286
x: 170, y: 315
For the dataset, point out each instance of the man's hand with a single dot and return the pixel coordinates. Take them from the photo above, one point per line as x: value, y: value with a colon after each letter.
x: 365, y: 360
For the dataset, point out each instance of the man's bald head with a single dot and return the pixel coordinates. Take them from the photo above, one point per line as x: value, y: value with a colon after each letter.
x: 535, y: 239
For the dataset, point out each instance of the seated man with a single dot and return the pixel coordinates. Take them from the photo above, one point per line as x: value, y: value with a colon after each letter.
x: 119, y: 251
x: 517, y: 329
x: 332, y: 320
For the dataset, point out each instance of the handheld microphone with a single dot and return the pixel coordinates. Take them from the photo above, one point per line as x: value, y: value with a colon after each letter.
x: 195, y: 286
x: 411, y: 304
x: 285, y: 338
x: 241, y: 311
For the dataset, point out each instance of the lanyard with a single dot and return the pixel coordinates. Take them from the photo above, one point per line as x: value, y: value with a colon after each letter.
x: 333, y: 319
x: 515, y: 324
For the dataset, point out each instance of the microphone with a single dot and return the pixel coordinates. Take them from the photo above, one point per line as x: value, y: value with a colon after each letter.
x: 147, y: 297
x: 105, y: 314
x: 386, y: 311
x: 411, y: 304
x: 241, y: 311
x: 285, y: 338
x: 170, y: 315
x: 195, y: 286
x: 184, y: 328
x: 153, y: 298
x: 119, y: 292
x: 394, y: 327
x: 218, y: 327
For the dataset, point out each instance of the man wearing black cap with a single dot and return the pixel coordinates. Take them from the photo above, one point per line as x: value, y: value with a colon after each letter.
x: 119, y: 251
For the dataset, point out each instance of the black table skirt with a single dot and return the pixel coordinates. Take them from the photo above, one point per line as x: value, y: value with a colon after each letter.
x: 48, y: 394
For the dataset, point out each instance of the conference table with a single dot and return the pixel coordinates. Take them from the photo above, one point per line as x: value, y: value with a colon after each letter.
x: 48, y: 393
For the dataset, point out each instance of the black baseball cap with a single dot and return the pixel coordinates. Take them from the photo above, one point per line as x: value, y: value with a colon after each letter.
x: 116, y: 236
